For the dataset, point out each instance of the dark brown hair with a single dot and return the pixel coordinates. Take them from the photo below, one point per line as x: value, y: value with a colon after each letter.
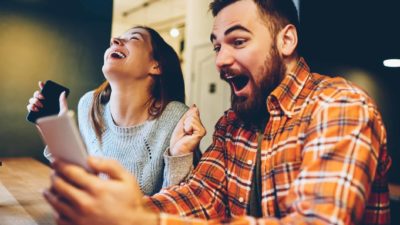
x: 278, y: 13
x: 167, y: 87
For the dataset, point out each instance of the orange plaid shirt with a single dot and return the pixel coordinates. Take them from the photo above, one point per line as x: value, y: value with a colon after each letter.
x: 323, y: 161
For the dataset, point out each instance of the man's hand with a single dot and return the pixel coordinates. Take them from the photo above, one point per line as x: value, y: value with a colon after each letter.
x: 82, y: 198
x: 188, y: 133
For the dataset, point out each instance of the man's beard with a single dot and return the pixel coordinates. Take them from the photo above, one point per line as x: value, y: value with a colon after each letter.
x: 252, y: 110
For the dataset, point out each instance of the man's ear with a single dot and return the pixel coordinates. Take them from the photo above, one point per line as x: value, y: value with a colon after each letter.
x: 287, y: 40
x: 155, y: 69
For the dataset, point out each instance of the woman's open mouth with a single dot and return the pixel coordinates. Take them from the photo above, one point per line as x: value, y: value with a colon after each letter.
x: 117, y: 55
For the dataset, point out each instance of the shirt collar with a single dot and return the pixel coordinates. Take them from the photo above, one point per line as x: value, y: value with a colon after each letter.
x: 285, y: 95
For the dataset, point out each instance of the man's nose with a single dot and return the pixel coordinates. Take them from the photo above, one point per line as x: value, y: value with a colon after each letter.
x: 224, y: 58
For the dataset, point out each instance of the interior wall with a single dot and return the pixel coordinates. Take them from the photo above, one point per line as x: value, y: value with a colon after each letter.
x: 61, y: 40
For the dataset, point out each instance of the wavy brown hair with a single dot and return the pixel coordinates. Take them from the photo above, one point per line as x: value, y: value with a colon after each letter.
x: 166, y: 87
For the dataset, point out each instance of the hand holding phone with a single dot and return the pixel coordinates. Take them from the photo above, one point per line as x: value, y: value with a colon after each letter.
x: 51, y: 92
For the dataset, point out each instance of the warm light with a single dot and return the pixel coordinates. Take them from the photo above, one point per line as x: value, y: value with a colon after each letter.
x: 391, y: 62
x: 174, y: 32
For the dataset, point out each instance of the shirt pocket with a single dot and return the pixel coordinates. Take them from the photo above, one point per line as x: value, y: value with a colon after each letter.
x: 281, y: 179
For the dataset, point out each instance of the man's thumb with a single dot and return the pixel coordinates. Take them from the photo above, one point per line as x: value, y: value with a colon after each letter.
x: 110, y: 167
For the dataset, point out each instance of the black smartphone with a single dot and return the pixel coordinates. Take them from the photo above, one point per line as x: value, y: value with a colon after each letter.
x: 51, y: 92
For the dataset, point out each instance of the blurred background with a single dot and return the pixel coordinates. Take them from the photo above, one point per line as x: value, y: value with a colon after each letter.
x: 64, y: 41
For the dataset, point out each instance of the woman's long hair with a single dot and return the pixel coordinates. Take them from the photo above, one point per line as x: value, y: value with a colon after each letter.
x: 166, y: 87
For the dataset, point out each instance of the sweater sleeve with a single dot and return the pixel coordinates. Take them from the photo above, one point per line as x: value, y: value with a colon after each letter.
x: 177, y: 168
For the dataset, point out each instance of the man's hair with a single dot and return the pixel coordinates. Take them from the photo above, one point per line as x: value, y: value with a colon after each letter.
x: 277, y: 13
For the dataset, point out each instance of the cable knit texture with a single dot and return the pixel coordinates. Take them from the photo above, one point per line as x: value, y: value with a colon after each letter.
x: 141, y: 149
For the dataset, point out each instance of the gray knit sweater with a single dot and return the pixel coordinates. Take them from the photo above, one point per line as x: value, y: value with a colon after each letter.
x: 141, y: 149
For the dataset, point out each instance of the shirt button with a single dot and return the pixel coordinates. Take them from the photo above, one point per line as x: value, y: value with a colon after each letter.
x: 249, y: 161
x: 241, y: 199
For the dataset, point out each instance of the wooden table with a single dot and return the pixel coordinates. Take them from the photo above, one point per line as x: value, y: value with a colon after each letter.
x: 22, y: 181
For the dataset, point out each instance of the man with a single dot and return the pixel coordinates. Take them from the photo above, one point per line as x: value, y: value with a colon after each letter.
x: 296, y: 147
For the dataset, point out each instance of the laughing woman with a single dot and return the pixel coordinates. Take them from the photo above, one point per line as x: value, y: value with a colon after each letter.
x: 131, y: 116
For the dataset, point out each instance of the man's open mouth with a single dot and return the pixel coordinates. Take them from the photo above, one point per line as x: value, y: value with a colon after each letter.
x: 238, y: 82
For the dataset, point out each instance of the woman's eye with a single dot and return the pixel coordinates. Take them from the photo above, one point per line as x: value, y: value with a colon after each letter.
x: 238, y: 42
x: 216, y: 48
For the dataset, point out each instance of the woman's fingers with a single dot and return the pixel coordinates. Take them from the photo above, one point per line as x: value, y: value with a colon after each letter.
x: 193, y: 125
x: 31, y: 107
x: 36, y: 102
x: 41, y: 85
x: 38, y: 95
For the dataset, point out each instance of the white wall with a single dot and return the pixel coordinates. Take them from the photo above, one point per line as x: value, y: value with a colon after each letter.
x: 200, y: 70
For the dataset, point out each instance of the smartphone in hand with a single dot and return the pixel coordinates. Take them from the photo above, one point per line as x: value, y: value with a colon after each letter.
x: 62, y: 137
x: 51, y: 106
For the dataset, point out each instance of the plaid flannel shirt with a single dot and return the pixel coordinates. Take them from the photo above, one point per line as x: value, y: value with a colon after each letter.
x: 323, y: 161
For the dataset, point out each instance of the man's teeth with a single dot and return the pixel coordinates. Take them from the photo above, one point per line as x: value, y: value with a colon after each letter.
x: 228, y: 77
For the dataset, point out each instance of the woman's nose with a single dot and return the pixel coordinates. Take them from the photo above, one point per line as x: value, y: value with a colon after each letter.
x: 116, y: 41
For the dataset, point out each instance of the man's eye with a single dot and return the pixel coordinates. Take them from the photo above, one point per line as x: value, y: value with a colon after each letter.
x: 134, y: 37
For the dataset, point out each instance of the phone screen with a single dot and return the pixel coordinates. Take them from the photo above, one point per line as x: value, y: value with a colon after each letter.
x: 51, y: 106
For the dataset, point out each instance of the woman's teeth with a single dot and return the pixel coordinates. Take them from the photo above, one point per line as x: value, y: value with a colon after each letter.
x: 118, y: 55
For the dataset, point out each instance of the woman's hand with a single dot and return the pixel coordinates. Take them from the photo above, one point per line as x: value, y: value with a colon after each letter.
x: 35, y: 104
x: 187, y: 134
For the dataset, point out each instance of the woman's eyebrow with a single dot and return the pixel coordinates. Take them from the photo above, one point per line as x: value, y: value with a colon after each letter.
x: 136, y: 32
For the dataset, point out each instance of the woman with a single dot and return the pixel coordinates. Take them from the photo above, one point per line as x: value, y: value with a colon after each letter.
x: 131, y: 116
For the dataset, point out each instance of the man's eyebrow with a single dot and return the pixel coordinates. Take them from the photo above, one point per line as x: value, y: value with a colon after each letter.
x: 230, y: 30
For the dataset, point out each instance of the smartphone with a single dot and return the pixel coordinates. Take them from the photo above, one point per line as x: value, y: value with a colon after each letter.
x: 62, y: 137
x: 51, y: 106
